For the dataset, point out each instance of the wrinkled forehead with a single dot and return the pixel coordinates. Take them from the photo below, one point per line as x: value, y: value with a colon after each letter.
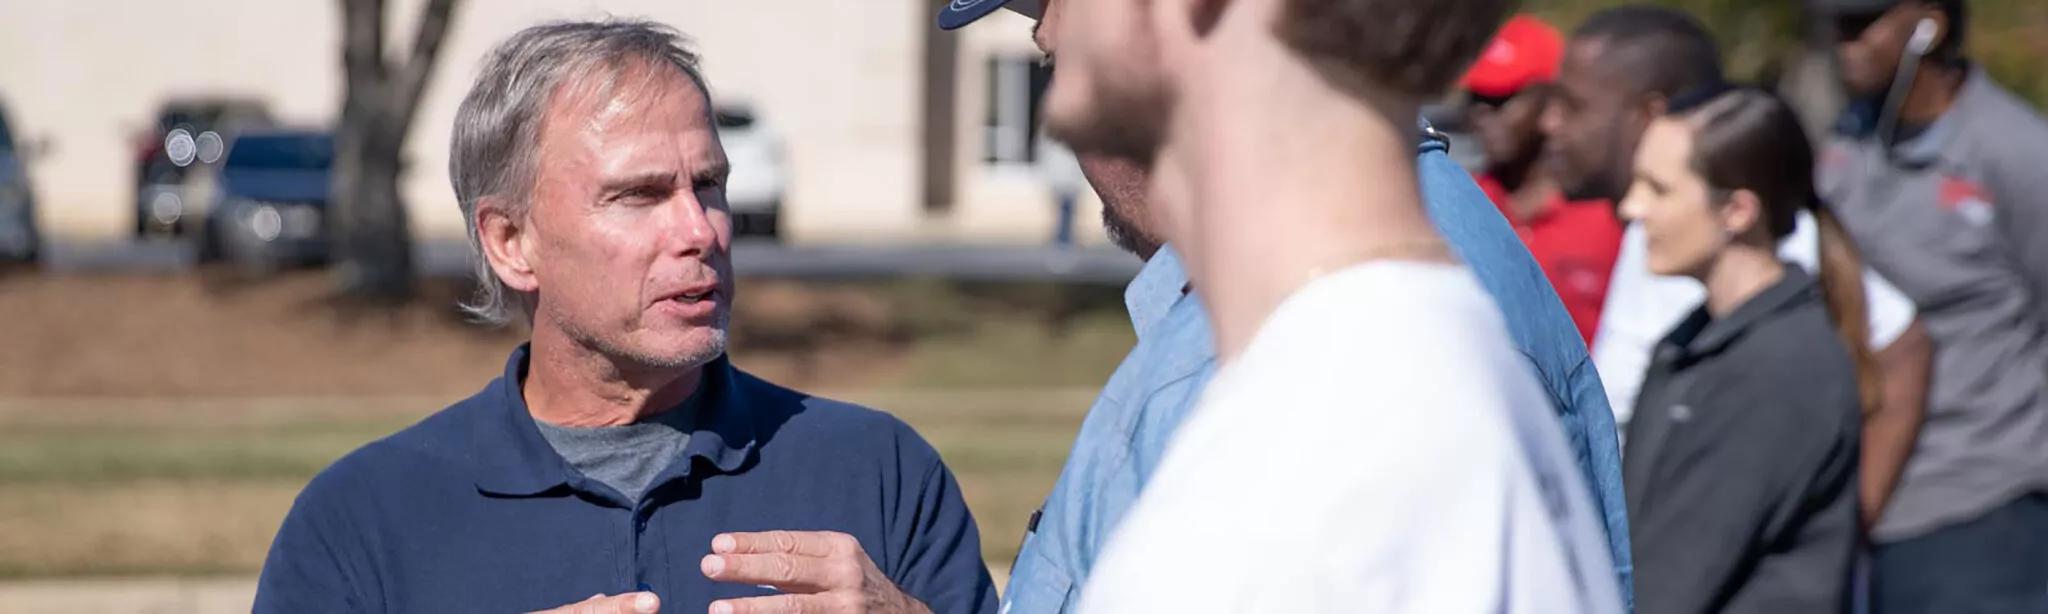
x: 636, y: 120
x: 640, y: 90
x: 618, y: 84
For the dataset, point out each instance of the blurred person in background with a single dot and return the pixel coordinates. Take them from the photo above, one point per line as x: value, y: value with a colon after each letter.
x: 1421, y: 472
x: 1575, y: 241
x: 1062, y: 174
x: 1124, y: 438
x: 621, y: 454
x: 1741, y: 465
x: 1939, y: 174
x: 1621, y: 69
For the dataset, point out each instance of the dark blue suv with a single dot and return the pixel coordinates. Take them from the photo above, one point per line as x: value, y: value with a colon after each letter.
x: 271, y: 206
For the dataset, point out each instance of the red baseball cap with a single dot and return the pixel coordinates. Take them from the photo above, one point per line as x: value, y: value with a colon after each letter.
x: 1526, y: 52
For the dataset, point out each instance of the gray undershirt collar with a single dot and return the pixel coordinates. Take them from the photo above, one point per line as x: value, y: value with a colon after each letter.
x: 626, y: 458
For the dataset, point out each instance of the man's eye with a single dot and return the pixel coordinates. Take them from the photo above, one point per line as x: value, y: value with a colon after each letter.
x: 641, y: 196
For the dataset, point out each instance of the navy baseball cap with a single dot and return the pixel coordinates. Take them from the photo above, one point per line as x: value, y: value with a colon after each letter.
x: 959, y: 13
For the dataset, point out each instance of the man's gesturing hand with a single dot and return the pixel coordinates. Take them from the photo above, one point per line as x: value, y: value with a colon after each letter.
x: 629, y: 603
x: 819, y: 572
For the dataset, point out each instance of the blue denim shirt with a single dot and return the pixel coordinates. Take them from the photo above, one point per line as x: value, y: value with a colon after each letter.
x: 1126, y: 432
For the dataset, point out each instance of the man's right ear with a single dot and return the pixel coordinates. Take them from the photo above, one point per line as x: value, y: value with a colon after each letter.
x: 507, y: 242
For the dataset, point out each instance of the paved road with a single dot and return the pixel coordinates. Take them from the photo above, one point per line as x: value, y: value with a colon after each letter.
x: 756, y: 259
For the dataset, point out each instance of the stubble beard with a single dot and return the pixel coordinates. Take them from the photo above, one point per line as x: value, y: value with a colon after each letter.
x: 696, y: 356
x: 1128, y: 124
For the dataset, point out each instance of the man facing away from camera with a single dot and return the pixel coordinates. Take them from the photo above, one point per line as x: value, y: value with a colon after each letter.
x: 1423, y: 469
x: 621, y: 455
x: 1124, y: 438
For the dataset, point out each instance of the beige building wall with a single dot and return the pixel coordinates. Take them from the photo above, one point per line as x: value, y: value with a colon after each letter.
x: 1003, y: 202
x: 86, y: 75
x: 839, y: 80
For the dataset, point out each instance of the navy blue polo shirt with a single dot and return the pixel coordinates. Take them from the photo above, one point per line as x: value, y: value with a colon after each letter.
x: 472, y: 511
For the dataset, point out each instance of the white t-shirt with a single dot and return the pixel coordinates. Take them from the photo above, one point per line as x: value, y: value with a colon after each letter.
x: 1641, y: 308
x: 1378, y: 447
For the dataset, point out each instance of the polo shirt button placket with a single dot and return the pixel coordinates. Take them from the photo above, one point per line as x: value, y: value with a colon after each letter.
x: 633, y: 562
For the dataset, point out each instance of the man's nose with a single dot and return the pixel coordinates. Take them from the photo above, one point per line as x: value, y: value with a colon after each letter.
x: 688, y: 230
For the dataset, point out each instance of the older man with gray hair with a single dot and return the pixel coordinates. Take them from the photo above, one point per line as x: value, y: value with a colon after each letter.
x: 621, y: 455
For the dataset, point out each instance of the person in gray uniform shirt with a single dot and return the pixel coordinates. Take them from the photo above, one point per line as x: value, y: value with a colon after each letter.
x: 1937, y: 172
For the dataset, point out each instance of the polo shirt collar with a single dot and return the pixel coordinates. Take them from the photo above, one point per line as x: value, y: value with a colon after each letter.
x: 1701, y: 334
x: 514, y: 459
x: 1925, y: 149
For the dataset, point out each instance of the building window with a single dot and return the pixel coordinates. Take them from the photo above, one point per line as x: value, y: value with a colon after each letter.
x: 1010, y: 126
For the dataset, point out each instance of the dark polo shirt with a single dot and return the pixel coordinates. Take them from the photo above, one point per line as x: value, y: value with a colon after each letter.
x: 472, y: 511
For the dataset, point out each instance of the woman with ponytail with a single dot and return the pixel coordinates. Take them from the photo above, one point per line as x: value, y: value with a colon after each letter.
x: 1741, y: 462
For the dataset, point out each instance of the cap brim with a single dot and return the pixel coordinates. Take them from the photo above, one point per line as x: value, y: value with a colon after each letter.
x: 959, y: 13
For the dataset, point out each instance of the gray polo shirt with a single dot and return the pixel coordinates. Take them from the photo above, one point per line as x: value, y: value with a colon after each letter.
x: 1957, y: 218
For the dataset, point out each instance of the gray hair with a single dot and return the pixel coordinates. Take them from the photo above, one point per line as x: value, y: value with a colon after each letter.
x: 494, y: 152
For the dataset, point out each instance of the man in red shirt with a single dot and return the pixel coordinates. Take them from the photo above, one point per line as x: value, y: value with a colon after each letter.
x: 1576, y: 242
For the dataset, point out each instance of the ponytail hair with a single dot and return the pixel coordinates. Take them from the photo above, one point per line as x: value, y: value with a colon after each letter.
x: 1841, y: 287
x: 1745, y: 138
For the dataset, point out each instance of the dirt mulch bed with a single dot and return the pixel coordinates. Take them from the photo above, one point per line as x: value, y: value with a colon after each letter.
x: 203, y: 336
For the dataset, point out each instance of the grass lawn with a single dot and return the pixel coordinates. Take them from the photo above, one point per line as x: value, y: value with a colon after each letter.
x: 171, y: 440
x: 110, y: 488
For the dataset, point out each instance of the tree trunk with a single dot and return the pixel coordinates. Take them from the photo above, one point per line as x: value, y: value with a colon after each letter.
x: 1811, y: 82
x: 374, y: 245
x: 372, y: 239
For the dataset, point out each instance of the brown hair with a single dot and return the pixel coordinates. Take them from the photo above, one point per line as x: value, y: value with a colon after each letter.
x: 1411, y: 48
x: 1750, y: 139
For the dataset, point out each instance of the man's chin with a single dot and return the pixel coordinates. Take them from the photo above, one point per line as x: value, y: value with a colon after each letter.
x: 678, y: 349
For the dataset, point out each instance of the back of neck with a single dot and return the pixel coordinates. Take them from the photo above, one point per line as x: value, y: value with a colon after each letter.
x: 1316, y: 191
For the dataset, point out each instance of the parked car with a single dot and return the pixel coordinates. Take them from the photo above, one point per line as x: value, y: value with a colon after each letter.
x: 178, y: 157
x: 20, y: 241
x: 754, y: 191
x: 271, y: 204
